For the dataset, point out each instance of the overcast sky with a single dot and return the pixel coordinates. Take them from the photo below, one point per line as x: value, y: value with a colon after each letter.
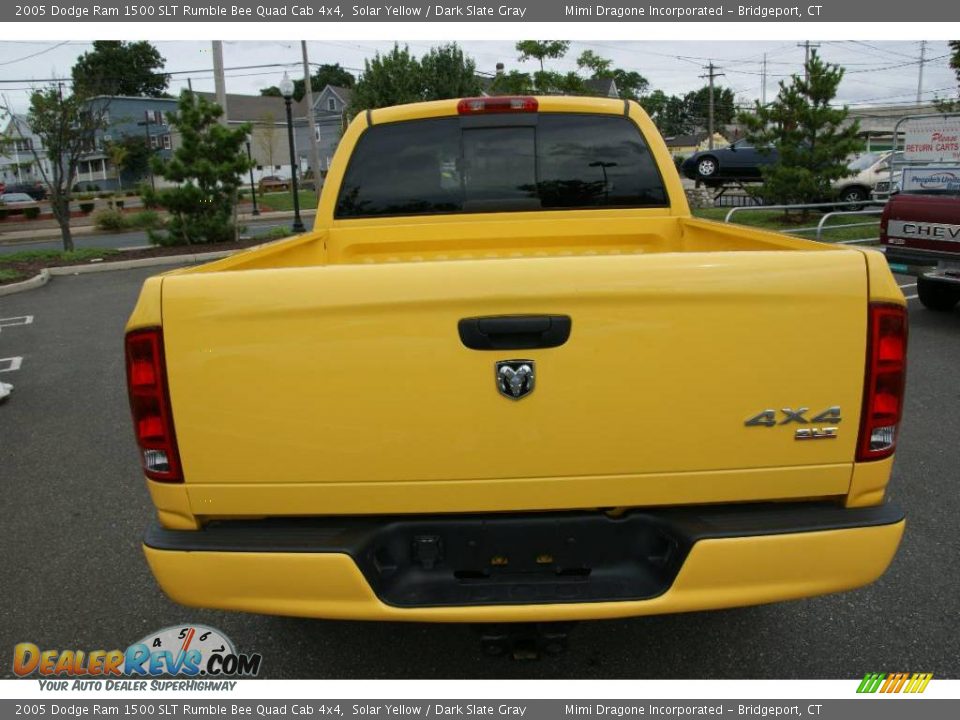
x: 878, y: 72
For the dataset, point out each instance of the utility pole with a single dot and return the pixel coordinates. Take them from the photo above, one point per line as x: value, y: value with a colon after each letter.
x: 923, y: 59
x: 311, y: 120
x: 220, y: 83
x: 763, y: 82
x: 149, y: 140
x: 711, y: 74
x: 807, y: 47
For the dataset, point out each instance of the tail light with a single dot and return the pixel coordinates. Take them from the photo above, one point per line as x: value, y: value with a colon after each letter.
x: 499, y: 104
x: 150, y: 405
x: 885, y: 377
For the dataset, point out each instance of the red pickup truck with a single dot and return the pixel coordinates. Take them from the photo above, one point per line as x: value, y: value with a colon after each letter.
x: 922, y: 228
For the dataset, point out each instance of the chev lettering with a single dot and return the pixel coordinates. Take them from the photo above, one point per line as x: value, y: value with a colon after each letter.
x: 924, y: 231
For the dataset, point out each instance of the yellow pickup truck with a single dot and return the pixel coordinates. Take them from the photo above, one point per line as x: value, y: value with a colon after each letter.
x: 507, y: 377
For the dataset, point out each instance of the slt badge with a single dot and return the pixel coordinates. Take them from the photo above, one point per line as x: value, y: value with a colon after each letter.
x: 515, y: 378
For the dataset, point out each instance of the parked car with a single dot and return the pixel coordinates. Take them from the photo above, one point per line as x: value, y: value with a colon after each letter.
x: 36, y: 191
x: 16, y: 198
x: 654, y: 436
x: 273, y: 183
x: 867, y: 171
x: 739, y: 162
x: 920, y: 228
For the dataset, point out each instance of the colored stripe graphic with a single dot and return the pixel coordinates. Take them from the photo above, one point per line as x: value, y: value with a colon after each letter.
x: 894, y: 682
x: 870, y: 683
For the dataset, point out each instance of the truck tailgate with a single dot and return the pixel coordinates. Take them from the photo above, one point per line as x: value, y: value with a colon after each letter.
x: 344, y: 374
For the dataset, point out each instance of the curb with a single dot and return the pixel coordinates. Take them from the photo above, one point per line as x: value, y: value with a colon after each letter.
x: 36, y: 281
x: 44, y: 275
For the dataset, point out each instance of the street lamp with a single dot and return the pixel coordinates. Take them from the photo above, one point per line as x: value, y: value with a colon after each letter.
x: 253, y: 188
x: 606, y: 183
x: 286, y: 89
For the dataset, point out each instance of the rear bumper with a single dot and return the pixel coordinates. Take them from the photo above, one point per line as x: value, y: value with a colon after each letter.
x: 533, y: 567
x: 903, y: 255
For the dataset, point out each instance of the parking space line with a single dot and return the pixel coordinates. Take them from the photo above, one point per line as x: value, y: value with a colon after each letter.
x: 910, y: 297
x: 12, y: 363
x: 903, y: 287
x: 16, y: 321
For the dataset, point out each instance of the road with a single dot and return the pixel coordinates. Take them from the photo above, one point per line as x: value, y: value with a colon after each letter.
x: 255, y: 228
x: 74, y: 508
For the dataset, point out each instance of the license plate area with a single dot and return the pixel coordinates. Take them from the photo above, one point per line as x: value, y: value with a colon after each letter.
x: 513, y: 560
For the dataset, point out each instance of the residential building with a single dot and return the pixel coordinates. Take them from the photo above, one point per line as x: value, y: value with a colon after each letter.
x: 123, y: 117
x: 269, y: 144
x: 330, y: 117
x: 18, y: 163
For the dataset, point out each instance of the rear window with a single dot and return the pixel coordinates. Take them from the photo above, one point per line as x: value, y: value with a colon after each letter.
x: 563, y: 161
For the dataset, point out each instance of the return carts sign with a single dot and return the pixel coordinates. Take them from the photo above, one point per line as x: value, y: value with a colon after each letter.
x: 935, y: 140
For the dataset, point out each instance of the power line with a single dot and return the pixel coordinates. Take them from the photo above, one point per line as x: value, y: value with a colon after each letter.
x: 33, y: 55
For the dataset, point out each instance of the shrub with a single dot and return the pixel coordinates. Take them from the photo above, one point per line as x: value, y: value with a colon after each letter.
x: 102, y: 195
x: 31, y: 213
x: 86, y: 207
x: 111, y: 220
x: 3, y: 213
x: 131, y: 193
x: 145, y: 220
x: 118, y: 204
x: 276, y: 233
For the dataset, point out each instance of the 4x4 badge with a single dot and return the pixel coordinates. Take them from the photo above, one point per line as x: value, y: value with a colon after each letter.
x: 515, y: 378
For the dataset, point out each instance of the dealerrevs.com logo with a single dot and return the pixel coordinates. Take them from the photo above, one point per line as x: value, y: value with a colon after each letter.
x: 184, y: 651
x: 898, y: 682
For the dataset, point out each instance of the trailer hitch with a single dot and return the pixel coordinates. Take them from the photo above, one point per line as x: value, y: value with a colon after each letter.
x: 523, y: 641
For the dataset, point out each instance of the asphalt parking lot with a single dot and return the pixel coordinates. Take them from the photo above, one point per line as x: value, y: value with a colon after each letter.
x: 74, y: 507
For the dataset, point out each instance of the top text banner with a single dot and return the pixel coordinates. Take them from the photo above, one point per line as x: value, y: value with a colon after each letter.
x: 446, y: 11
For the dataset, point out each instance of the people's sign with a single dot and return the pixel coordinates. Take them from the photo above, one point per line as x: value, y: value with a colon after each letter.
x: 932, y: 140
x: 935, y: 179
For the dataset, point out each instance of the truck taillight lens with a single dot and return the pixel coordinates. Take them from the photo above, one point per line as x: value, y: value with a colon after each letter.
x: 885, y: 378
x: 501, y: 104
x: 150, y: 405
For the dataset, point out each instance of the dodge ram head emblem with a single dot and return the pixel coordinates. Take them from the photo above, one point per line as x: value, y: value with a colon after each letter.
x: 515, y: 378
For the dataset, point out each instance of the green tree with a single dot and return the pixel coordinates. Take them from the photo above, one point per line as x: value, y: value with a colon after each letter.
x: 390, y: 79
x: 66, y: 127
x: 669, y: 113
x: 117, y: 153
x: 952, y: 105
x: 325, y: 75
x: 135, y: 158
x: 810, y: 135
x: 598, y: 67
x: 447, y: 73
x: 512, y: 83
x: 117, y: 67
x: 207, y: 168
x: 399, y: 77
x: 697, y: 104
x: 631, y: 85
x: 541, y: 50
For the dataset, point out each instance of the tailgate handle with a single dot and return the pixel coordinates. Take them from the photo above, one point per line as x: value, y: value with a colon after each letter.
x: 514, y: 332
